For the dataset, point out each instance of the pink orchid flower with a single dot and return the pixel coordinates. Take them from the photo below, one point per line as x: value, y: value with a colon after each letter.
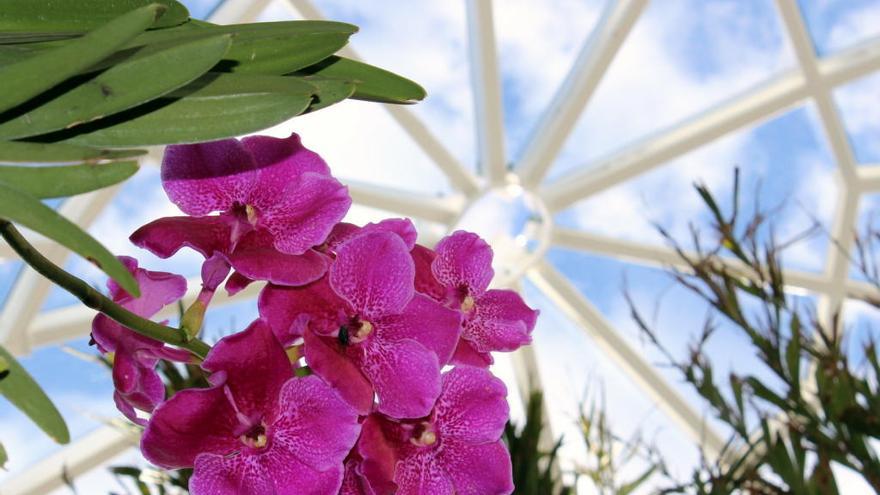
x: 456, y: 449
x: 137, y: 384
x: 458, y: 274
x: 366, y: 330
x: 257, y: 429
x: 277, y: 200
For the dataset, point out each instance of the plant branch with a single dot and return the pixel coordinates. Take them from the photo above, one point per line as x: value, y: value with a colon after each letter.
x: 94, y: 299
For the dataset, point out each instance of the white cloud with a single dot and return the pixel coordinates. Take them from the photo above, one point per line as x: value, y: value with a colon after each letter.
x: 857, y: 103
x: 857, y: 24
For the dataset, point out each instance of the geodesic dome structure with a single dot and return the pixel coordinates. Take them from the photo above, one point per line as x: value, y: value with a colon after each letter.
x: 563, y: 192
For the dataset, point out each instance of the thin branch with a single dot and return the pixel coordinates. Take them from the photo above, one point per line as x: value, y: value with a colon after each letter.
x: 94, y: 299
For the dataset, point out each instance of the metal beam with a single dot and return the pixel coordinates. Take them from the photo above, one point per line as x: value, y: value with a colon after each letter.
x: 440, y: 209
x: 749, y: 108
x: 486, y: 86
x: 77, y: 458
x: 769, y: 99
x: 575, y: 306
x: 460, y: 177
x: 560, y: 117
x: 842, y: 230
x: 868, y: 178
x: 661, y: 256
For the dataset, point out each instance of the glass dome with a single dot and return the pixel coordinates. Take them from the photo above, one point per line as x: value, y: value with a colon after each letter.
x: 561, y: 132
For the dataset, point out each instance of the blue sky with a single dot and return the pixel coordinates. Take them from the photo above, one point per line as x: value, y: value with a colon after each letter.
x: 682, y: 57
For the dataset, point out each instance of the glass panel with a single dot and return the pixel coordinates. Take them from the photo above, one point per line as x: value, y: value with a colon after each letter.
x: 681, y: 58
x: 201, y: 9
x: 426, y: 42
x: 80, y: 387
x: 857, y: 103
x: 836, y: 24
x: 784, y: 166
x: 536, y: 48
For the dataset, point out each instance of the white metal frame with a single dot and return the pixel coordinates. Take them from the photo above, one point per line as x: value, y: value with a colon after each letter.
x: 23, y: 328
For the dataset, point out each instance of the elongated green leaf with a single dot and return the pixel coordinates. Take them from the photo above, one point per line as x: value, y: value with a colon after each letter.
x: 23, y: 392
x: 228, y: 105
x: 121, y: 87
x: 30, y: 212
x: 265, y: 48
x: 3, y: 457
x: 250, y: 31
x: 22, y: 152
x: 10, y: 54
x: 373, y: 83
x: 76, y: 16
x: 330, y: 91
x: 65, y: 180
x: 33, y: 75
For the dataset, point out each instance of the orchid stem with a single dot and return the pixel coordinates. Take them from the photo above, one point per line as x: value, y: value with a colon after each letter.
x: 95, y: 300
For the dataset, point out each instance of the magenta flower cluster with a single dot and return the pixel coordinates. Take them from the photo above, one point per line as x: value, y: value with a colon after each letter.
x: 366, y: 371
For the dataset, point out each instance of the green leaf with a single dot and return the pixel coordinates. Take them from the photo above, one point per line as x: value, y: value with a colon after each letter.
x: 373, y: 83
x: 3, y: 457
x: 22, y: 152
x: 65, y: 180
x: 71, y: 17
x: 24, y: 393
x: 33, y: 75
x: 330, y: 91
x: 225, y: 106
x: 30, y: 212
x: 266, y: 48
x: 121, y: 87
x: 793, y: 353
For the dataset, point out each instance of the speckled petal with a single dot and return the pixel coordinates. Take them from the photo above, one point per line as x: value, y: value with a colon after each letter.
x: 422, y: 474
x: 501, y: 321
x: 315, y: 425
x: 427, y: 322
x: 192, y: 422
x: 378, y: 458
x: 374, y: 272
x: 344, y: 232
x: 256, y: 367
x: 482, y: 469
x: 405, y: 376
x: 256, y: 258
x: 466, y: 354
x: 207, y: 177
x: 282, y: 306
x: 472, y: 406
x: 327, y: 358
x: 305, y: 212
x: 464, y: 260
x: 425, y: 282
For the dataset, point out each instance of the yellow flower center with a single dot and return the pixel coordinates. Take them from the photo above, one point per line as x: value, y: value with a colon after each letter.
x: 468, y: 304
x: 251, y: 213
x: 255, y: 438
x: 426, y: 438
x: 365, y: 329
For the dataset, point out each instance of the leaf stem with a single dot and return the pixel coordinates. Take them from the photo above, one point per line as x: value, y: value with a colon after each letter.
x: 94, y: 299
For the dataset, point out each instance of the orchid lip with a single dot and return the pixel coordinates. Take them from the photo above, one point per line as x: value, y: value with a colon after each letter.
x: 467, y: 305
x: 256, y: 437
x: 355, y: 333
x: 426, y: 438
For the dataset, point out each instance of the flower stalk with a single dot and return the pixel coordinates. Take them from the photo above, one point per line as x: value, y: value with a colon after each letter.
x: 94, y: 299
